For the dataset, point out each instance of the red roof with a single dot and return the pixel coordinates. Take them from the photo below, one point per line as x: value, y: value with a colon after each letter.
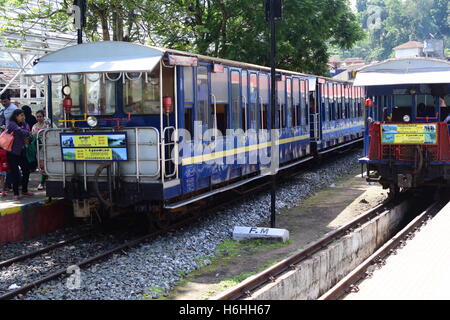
x: 410, y: 45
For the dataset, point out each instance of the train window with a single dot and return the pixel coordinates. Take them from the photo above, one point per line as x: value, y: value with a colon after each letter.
x: 281, y: 94
x: 142, y: 95
x: 425, y: 105
x: 296, y: 101
x: 219, y: 85
x: 333, y: 97
x: 188, y: 81
x: 57, y: 97
x: 402, y: 100
x: 264, y: 99
x: 289, y: 109
x: 352, y: 102
x: 203, y: 113
x: 244, y: 98
x: 332, y: 100
x: 236, y: 113
x: 324, y: 101
x: 188, y: 119
x: 304, y: 87
x: 101, y: 95
x: 346, y: 102
x: 253, y: 111
x: 77, y: 94
x: 338, y: 101
x: 447, y: 100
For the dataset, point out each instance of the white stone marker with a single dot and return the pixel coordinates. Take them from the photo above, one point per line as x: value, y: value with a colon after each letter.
x: 246, y: 233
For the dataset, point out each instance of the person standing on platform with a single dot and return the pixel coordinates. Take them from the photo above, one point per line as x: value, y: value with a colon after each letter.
x: 40, y: 124
x: 29, y: 118
x: 4, y: 168
x: 17, y: 158
x: 9, y: 106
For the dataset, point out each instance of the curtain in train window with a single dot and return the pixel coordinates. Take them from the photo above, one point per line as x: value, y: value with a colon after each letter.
x: 264, y: 98
x: 281, y: 94
x: 244, y: 82
x: 236, y: 112
x: 253, y: 107
x: 321, y: 101
x: 203, y: 113
x: 219, y: 87
x: 289, y: 110
x: 331, y: 91
x: 346, y: 102
x: 325, y: 93
x: 296, y: 101
x: 330, y: 100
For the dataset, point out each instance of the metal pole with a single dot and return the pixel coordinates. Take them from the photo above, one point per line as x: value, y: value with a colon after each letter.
x: 273, y: 113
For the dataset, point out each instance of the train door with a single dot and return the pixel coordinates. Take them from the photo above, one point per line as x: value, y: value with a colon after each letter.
x: 169, y: 122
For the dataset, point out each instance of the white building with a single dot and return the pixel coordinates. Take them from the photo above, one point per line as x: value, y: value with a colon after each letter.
x: 409, y: 50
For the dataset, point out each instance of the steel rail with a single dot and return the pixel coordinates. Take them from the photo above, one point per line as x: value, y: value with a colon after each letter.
x: 308, y: 251
x: 347, y: 284
x: 246, y: 287
x: 33, y: 254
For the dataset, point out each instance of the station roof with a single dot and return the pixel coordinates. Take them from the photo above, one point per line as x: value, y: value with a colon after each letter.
x: 404, y: 71
x: 95, y: 57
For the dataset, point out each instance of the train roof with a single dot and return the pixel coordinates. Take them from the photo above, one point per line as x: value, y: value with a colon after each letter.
x: 417, y: 70
x: 118, y: 56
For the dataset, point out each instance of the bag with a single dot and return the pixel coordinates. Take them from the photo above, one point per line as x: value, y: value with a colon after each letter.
x: 4, y: 166
x: 6, y: 140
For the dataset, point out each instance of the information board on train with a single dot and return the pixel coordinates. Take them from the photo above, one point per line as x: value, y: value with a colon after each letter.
x: 105, y: 146
x: 409, y: 133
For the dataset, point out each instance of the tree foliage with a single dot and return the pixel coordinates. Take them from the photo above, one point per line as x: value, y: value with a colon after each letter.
x: 390, y: 23
x: 232, y: 29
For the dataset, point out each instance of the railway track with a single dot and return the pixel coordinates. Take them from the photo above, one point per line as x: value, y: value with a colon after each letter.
x: 249, y: 286
x: 350, y: 283
x: 231, y: 197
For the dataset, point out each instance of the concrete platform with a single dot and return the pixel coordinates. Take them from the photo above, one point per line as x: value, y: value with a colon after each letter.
x: 32, y: 216
x: 419, y: 271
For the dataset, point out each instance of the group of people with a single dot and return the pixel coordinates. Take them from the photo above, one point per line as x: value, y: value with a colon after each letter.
x: 16, y: 165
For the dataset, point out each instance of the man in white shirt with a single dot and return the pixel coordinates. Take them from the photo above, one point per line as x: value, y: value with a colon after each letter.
x: 9, y: 107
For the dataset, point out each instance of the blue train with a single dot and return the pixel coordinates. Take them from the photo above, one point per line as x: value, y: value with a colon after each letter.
x: 407, y: 140
x: 158, y: 129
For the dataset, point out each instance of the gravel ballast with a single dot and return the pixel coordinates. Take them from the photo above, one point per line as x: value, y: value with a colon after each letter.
x: 153, y: 269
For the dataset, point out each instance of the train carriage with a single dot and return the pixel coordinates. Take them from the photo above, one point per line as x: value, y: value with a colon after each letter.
x: 157, y: 129
x: 407, y: 137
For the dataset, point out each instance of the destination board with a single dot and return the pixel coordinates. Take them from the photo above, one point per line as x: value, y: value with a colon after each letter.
x: 105, y: 146
x: 409, y: 133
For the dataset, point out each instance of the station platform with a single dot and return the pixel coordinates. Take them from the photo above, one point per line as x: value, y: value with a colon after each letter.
x: 32, y: 216
x: 419, y: 271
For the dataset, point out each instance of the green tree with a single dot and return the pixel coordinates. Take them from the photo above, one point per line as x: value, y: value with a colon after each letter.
x: 392, y: 22
x: 232, y: 29
x: 236, y: 29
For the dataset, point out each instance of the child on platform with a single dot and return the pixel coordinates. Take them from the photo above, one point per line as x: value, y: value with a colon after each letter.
x: 3, y: 170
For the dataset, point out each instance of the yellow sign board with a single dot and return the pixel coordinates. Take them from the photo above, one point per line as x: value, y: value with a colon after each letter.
x: 100, y: 154
x: 90, y: 141
x: 110, y: 146
x: 409, y: 133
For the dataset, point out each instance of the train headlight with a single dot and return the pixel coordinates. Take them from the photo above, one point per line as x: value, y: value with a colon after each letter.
x: 92, y: 121
x: 406, y: 118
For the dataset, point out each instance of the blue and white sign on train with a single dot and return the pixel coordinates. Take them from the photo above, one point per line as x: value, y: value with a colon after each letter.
x: 407, y: 141
x: 195, y: 125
